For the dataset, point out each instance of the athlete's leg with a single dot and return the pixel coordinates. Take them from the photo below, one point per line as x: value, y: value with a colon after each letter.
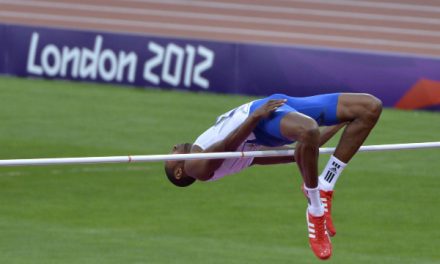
x: 362, y: 112
x: 286, y: 125
x: 304, y: 130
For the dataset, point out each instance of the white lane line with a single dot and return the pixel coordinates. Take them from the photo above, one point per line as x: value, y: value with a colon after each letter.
x: 290, y: 10
x: 383, y: 5
x: 223, y: 30
x: 216, y: 17
x: 318, y: 47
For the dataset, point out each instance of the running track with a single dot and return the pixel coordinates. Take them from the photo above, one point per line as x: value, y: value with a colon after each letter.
x: 373, y: 25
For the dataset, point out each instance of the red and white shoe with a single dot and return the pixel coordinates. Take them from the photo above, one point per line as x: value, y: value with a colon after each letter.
x: 318, y: 238
x: 326, y: 199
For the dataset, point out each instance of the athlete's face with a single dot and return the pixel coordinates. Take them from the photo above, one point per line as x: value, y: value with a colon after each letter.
x: 175, y: 165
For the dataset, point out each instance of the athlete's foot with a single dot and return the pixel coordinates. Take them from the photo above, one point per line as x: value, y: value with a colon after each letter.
x: 318, y: 238
x: 326, y: 199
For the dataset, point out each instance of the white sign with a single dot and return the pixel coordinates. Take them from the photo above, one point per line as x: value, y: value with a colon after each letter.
x: 170, y: 64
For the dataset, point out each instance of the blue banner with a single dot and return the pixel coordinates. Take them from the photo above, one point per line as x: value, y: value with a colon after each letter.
x: 304, y: 72
x: 221, y: 67
x: 125, y: 59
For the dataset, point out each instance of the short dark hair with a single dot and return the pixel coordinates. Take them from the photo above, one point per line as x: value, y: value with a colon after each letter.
x: 182, y: 182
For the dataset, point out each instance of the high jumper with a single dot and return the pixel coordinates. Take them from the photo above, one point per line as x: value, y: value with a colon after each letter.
x: 275, y: 122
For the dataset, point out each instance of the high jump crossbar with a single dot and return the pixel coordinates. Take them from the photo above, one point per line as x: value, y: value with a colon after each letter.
x: 193, y: 156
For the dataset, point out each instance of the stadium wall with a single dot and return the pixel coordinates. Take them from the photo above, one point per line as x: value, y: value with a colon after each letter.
x: 407, y: 82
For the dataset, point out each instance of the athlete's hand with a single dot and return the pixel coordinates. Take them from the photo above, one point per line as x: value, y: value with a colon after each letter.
x: 268, y: 108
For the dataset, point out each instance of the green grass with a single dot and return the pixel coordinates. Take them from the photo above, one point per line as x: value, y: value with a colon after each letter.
x: 386, y: 208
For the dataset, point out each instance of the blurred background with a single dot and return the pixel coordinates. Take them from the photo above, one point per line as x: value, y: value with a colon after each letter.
x: 68, y: 69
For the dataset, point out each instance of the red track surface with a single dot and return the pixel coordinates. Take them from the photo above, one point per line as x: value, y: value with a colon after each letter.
x: 403, y: 26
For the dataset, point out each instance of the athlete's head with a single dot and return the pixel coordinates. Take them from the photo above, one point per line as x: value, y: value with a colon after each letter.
x: 174, y: 169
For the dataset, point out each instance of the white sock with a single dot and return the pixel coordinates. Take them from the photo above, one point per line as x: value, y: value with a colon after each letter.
x: 330, y: 175
x: 315, y: 206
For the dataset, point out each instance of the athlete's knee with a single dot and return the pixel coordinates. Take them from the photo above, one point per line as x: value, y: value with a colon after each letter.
x: 310, y: 134
x: 372, y: 107
x: 361, y: 107
x: 305, y: 130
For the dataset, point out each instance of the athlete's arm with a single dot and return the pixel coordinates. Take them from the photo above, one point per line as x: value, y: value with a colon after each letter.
x: 204, y: 169
x: 326, y: 134
x: 273, y: 160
